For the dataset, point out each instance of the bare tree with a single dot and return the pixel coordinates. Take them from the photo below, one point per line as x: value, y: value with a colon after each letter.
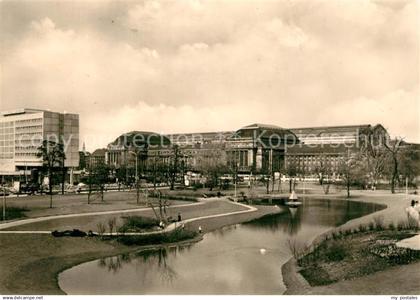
x: 53, y: 156
x: 324, y: 171
x: 112, y: 222
x: 212, y: 165
x: 100, y: 177
x: 174, y: 166
x: 290, y: 170
x: 350, y: 169
x: 394, y: 148
x: 409, y: 165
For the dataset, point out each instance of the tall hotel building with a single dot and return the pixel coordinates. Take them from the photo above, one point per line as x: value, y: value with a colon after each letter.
x: 22, y: 132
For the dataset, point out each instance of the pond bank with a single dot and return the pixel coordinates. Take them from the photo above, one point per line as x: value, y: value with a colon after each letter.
x: 382, y: 282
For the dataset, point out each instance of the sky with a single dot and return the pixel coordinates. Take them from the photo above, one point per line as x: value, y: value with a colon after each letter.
x: 192, y: 65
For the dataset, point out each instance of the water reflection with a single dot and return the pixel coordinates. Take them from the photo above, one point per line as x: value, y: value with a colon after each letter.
x: 238, y: 259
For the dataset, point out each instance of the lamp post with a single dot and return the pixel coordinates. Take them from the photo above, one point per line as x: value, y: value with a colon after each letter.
x: 4, y: 203
x: 137, y: 177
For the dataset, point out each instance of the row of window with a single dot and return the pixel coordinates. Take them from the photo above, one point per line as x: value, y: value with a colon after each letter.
x: 26, y: 154
x: 26, y: 148
x: 29, y: 128
x: 29, y: 121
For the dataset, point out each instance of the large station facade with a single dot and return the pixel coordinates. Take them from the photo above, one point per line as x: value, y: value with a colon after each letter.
x: 252, y: 149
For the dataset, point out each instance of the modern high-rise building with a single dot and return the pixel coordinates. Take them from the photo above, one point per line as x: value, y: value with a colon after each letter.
x: 22, y: 132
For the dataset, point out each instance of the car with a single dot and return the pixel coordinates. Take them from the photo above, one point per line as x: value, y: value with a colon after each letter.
x: 4, y: 191
x: 29, y: 188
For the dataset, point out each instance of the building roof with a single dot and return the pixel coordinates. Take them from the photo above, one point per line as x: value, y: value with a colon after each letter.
x: 199, y: 137
x: 261, y: 126
x: 99, y: 152
x: 264, y: 131
x: 140, y: 139
x: 20, y: 111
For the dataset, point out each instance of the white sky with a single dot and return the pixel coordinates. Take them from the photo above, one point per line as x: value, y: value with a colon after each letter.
x: 188, y: 66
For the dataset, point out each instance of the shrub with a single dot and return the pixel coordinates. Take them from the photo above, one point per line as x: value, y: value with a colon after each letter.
x: 362, y: 227
x: 158, y: 238
x: 402, y: 225
x: 136, y: 223
x: 14, y: 213
x: 412, y: 223
x: 391, y: 226
x: 101, y: 228
x: 348, y: 232
x: 295, y: 248
x: 379, y: 222
x: 336, y: 251
x: 111, y: 224
x: 371, y: 226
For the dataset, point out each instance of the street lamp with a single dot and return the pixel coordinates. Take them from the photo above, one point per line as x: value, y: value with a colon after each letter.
x: 136, y: 155
x: 4, y: 202
x: 137, y: 177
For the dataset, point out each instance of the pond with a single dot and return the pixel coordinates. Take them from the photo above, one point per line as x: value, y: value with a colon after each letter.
x: 239, y: 259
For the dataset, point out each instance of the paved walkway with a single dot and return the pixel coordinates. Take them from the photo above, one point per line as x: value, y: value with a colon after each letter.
x: 411, y: 243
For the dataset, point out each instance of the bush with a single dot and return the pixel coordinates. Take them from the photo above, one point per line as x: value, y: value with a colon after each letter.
x: 158, y: 238
x: 362, y: 227
x: 402, y: 225
x: 14, y: 213
x: 101, y: 228
x: 379, y: 222
x: 137, y: 223
x: 336, y: 251
x: 412, y: 223
x: 391, y: 226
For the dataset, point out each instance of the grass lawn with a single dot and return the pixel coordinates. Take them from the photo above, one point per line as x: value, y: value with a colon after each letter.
x: 38, y: 205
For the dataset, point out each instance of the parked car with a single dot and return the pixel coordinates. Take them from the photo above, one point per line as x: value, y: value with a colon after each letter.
x: 29, y: 188
x: 4, y: 191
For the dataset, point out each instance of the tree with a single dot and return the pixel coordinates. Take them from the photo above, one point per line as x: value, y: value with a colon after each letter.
x: 410, y: 163
x: 323, y: 169
x: 290, y: 170
x: 53, y: 157
x: 350, y: 169
x: 100, y: 177
x: 174, y: 166
x: 393, y: 147
x: 121, y: 175
x: 375, y: 158
x: 212, y: 165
